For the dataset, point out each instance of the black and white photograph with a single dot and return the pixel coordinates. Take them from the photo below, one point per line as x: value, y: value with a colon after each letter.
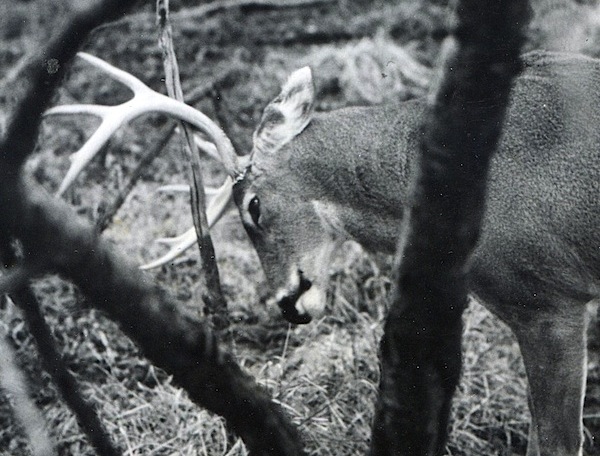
x: 299, y: 227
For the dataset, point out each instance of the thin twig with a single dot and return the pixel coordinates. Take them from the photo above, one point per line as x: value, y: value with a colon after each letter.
x: 224, y: 79
x: 109, y: 211
x: 210, y: 284
x: 220, y: 5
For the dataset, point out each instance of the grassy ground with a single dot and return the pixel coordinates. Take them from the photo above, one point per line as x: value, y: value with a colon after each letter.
x: 325, y: 375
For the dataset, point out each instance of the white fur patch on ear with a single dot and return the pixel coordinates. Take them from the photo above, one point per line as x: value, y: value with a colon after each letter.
x: 288, y: 114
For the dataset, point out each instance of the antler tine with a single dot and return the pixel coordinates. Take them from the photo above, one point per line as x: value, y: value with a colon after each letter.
x: 117, y: 74
x: 93, y: 110
x: 207, y: 147
x: 144, y: 101
x: 214, y: 212
x: 112, y: 119
x: 186, y: 240
x: 174, y: 240
x: 182, y: 188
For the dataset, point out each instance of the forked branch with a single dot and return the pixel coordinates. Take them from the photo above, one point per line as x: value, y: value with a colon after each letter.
x: 57, y: 241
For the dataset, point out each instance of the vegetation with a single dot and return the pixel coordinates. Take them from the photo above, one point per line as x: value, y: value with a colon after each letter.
x: 325, y: 375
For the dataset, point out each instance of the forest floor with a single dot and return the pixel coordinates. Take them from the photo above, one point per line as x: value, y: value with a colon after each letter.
x: 324, y: 374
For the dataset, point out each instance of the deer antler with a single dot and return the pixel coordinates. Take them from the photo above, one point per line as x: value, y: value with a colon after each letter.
x: 217, y: 207
x: 144, y: 101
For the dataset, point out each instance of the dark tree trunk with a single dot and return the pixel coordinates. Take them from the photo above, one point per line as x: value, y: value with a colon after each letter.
x: 421, y: 346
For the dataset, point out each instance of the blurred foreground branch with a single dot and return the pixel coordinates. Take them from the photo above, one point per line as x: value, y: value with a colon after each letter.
x: 66, y: 383
x: 55, y: 240
x: 13, y: 382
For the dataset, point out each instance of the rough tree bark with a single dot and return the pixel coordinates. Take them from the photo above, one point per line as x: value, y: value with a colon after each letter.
x: 55, y: 240
x: 421, y: 346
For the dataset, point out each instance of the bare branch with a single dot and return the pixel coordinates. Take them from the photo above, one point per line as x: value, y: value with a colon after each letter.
x: 172, y: 337
x: 220, y: 5
x: 109, y: 211
x: 215, y: 306
x: 205, y: 10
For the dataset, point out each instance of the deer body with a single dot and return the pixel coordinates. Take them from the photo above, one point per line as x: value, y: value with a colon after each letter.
x: 346, y: 175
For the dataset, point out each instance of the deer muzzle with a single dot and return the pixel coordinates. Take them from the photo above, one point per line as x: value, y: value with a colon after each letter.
x: 301, y: 303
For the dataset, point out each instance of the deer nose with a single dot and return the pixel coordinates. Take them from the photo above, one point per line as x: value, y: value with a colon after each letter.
x: 287, y: 304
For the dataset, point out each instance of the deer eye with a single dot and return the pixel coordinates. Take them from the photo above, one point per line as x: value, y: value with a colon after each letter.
x: 254, y: 210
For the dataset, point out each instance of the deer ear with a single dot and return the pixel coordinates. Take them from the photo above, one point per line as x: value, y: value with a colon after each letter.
x: 288, y: 114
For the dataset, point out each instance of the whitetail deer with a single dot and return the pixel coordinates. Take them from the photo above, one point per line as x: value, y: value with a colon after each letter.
x: 315, y: 180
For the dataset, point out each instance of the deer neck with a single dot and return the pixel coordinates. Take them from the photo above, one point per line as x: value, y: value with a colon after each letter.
x: 356, y: 163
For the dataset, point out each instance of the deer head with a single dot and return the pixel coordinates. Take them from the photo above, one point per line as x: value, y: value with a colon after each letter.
x: 273, y: 202
x: 266, y: 193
